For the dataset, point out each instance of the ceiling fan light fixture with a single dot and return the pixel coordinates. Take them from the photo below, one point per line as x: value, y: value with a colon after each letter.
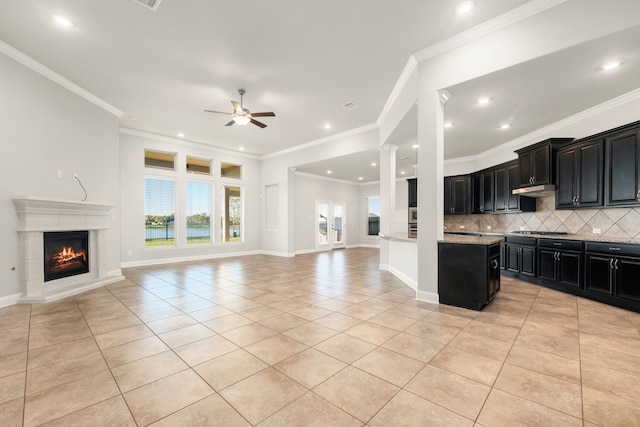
x: 241, y: 120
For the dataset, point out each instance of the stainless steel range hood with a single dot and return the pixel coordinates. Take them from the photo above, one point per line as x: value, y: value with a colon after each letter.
x: 536, y: 191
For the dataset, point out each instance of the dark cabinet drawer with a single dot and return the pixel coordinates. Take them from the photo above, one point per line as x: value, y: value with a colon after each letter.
x: 568, y: 245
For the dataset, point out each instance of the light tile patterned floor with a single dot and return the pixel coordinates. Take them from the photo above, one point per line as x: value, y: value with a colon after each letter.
x: 317, y: 340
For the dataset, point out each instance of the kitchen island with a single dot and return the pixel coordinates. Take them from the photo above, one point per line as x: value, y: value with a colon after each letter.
x: 468, y: 270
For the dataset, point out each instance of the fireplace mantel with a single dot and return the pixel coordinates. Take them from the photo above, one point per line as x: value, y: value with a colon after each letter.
x: 37, y: 215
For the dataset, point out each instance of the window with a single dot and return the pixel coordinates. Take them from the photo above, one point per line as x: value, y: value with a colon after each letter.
x: 231, y: 214
x: 201, y: 166
x: 198, y: 212
x: 373, y: 216
x: 159, y: 212
x: 229, y: 170
x: 159, y: 160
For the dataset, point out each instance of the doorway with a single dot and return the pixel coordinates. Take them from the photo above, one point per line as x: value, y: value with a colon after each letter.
x: 330, y: 225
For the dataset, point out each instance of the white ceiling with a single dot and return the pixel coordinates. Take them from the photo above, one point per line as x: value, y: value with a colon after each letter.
x: 302, y: 60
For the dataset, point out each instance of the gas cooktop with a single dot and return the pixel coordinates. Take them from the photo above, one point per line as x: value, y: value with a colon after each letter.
x: 542, y: 233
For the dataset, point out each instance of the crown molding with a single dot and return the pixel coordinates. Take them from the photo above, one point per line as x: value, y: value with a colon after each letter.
x: 506, y: 19
x: 408, y: 70
x: 192, y: 144
x: 321, y: 141
x: 325, y: 178
x: 31, y: 63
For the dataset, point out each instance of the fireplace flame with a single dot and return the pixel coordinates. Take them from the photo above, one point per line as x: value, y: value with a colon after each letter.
x: 68, y: 254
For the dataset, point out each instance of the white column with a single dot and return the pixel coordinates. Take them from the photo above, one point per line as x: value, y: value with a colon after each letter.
x: 430, y: 191
x: 387, y: 198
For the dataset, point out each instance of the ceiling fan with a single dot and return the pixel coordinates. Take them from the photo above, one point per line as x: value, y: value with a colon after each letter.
x: 242, y: 116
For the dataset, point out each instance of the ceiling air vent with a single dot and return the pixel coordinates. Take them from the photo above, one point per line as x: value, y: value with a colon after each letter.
x: 350, y: 106
x: 151, y: 4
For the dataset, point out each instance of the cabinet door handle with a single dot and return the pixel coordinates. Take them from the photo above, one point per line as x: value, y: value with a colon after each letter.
x: 557, y: 256
x: 611, y: 263
x: 615, y: 265
x: 638, y: 196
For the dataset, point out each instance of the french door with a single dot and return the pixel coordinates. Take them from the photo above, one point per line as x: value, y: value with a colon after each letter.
x: 330, y: 225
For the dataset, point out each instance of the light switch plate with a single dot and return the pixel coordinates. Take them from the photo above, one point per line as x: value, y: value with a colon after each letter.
x: 597, y: 231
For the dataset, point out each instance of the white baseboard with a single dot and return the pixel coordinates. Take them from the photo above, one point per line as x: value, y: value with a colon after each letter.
x: 406, y: 279
x: 70, y: 291
x: 280, y: 254
x: 428, y: 297
x: 307, y: 251
x: 367, y: 245
x: 9, y: 300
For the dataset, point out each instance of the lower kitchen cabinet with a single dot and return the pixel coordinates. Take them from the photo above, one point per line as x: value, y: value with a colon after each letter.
x: 520, y: 255
x: 560, y: 262
x: 468, y: 274
x: 612, y: 270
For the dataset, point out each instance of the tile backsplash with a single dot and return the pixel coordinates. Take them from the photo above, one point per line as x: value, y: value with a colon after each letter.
x: 614, y: 223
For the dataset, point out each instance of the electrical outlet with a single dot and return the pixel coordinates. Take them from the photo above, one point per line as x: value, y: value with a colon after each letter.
x: 597, y: 231
x: 59, y: 173
x: 488, y: 227
x: 129, y: 252
x: 521, y: 228
x: 462, y: 226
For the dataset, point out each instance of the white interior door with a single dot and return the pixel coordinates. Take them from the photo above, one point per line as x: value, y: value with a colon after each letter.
x: 330, y: 225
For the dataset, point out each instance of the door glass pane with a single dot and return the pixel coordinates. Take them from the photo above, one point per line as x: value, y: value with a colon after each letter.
x: 337, y: 224
x: 198, y: 212
x: 323, y: 215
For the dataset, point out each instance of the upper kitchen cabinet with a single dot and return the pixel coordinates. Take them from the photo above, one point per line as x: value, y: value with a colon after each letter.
x: 623, y: 168
x: 579, y: 173
x: 482, y: 191
x: 506, y: 179
x: 535, y: 162
x: 413, y: 192
x: 457, y: 197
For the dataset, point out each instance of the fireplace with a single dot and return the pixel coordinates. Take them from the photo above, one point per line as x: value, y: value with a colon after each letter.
x: 75, y: 260
x: 66, y: 253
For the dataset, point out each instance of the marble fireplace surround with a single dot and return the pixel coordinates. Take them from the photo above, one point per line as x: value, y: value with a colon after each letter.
x: 37, y: 215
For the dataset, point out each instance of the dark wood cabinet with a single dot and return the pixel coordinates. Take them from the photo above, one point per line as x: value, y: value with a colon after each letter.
x: 535, y: 162
x: 613, y: 269
x: 457, y: 194
x: 579, y: 175
x: 413, y: 192
x: 520, y: 254
x: 623, y: 168
x: 482, y: 191
x: 560, y: 262
x: 468, y: 274
x: 507, y: 178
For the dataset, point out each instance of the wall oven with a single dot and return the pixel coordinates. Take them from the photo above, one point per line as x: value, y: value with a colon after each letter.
x: 413, y: 222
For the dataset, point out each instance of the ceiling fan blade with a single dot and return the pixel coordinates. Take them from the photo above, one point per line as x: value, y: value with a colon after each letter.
x: 257, y: 123
x: 230, y: 123
x: 217, y: 112
x: 236, y: 106
x: 268, y: 114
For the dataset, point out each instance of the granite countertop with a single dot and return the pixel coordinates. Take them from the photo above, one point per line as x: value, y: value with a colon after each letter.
x: 594, y: 238
x: 470, y: 240
x: 398, y: 238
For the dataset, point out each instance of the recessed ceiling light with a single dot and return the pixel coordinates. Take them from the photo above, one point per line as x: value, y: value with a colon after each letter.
x: 327, y: 126
x: 241, y: 148
x: 328, y: 172
x: 181, y: 135
x: 415, y: 146
x: 401, y: 172
x: 505, y: 126
x: 464, y: 7
x: 374, y: 164
x: 610, y: 65
x: 448, y: 124
x: 484, y: 100
x: 360, y: 178
x: 63, y: 20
